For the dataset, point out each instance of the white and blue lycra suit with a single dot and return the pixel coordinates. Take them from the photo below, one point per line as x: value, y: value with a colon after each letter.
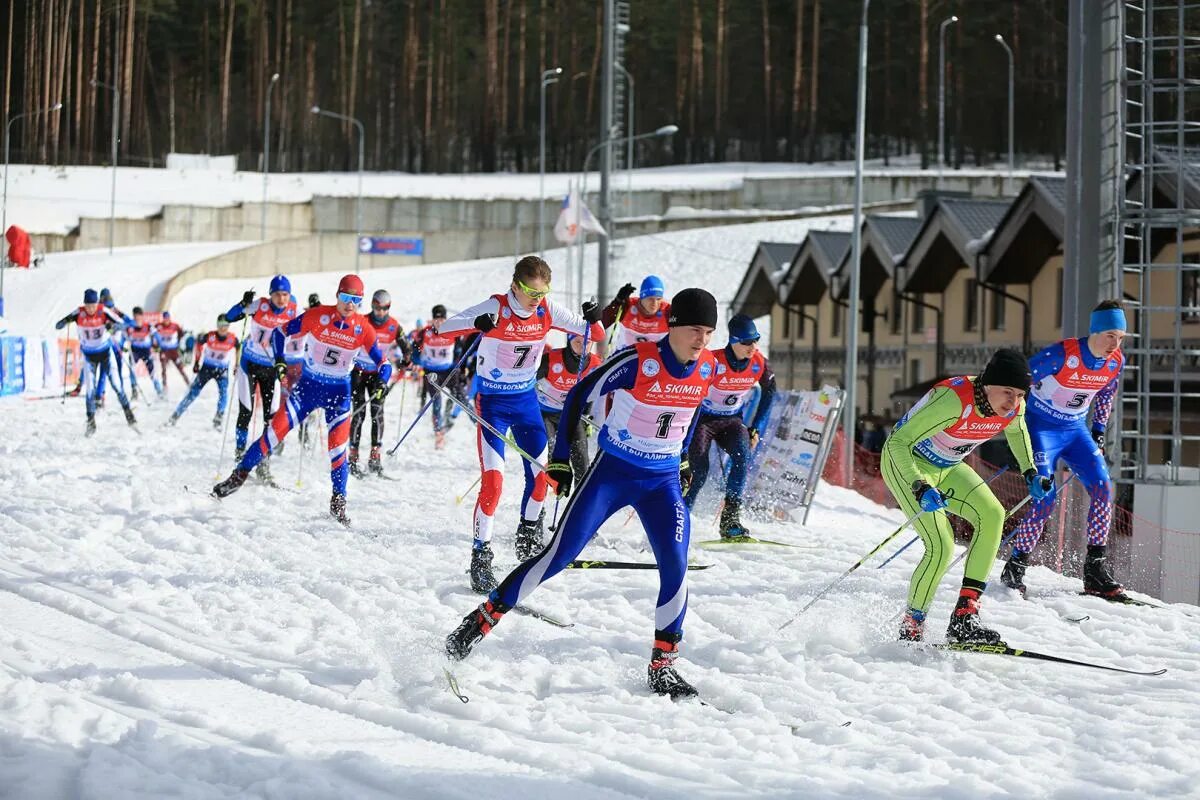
x: 652, y: 418
x: 95, y: 343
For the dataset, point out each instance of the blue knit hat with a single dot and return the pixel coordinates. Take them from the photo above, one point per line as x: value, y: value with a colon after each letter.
x: 742, y: 329
x: 90, y: 296
x: 652, y: 286
x: 280, y: 283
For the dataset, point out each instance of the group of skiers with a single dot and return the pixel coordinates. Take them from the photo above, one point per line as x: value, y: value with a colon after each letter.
x: 656, y: 404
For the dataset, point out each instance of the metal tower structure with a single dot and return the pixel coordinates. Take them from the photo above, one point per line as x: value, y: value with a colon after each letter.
x: 1161, y: 125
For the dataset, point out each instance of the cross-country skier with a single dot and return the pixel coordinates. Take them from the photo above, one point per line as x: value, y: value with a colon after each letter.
x: 366, y: 388
x: 92, y: 321
x: 638, y: 319
x: 436, y: 350
x: 334, y: 337
x: 1070, y: 378
x: 143, y: 339
x: 514, y: 327
x: 117, y: 340
x: 740, y: 366
x: 169, y: 334
x: 656, y: 388
x: 256, y: 370
x: 922, y: 465
x: 215, y: 352
x: 560, y: 370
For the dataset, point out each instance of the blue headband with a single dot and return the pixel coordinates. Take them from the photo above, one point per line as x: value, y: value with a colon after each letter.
x: 1108, y: 319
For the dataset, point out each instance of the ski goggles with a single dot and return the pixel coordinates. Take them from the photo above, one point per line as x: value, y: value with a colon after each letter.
x: 380, y: 306
x: 534, y: 294
x: 349, y: 299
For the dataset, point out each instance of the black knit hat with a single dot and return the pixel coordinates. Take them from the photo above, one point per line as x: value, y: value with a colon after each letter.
x: 1007, y: 367
x: 693, y: 307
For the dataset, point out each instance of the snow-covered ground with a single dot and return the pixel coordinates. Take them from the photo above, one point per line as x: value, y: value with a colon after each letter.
x: 44, y: 199
x: 157, y: 643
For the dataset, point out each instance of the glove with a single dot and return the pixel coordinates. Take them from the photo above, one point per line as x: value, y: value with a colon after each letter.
x: 378, y: 394
x: 929, y: 498
x: 685, y: 476
x: 1098, y: 438
x: 1039, y: 486
x: 626, y: 292
x: 247, y: 298
x: 561, y: 474
x: 484, y: 323
x: 591, y: 312
x: 196, y: 368
x: 385, y: 375
x: 280, y: 369
x: 753, y: 439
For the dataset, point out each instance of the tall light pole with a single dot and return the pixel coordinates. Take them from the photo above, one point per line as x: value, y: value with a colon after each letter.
x: 629, y: 137
x: 116, y: 117
x: 942, y: 91
x: 8, y: 123
x: 262, y: 224
x: 1008, y: 50
x: 362, y: 140
x: 665, y: 130
x: 548, y: 77
x: 860, y: 125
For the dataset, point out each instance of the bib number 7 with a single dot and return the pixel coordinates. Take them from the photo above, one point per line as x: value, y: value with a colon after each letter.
x: 522, y: 351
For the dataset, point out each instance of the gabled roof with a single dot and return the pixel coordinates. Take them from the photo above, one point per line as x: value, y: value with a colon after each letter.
x: 757, y: 293
x: 813, y: 267
x: 1030, y: 232
x: 885, y: 240
x: 1173, y: 170
x: 948, y: 240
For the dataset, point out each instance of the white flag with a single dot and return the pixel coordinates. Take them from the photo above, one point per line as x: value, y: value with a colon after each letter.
x: 573, y: 217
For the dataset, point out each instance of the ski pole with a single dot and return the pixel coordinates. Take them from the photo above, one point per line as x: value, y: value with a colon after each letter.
x: 433, y: 382
x: 66, y: 351
x: 914, y: 540
x: 463, y: 496
x: 856, y: 565
x: 237, y: 366
x: 470, y: 412
x: 612, y: 334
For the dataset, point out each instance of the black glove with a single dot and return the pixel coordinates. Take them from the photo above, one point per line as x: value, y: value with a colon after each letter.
x: 561, y: 474
x: 626, y: 292
x: 1098, y: 438
x: 280, y: 369
x: 591, y: 312
x: 484, y: 323
x: 685, y: 476
x: 247, y: 298
x: 196, y: 368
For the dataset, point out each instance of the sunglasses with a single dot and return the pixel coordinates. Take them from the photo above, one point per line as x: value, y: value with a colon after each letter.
x: 349, y: 299
x: 388, y: 307
x: 534, y: 294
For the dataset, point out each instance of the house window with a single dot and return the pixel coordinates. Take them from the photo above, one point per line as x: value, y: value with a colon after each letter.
x: 1191, y: 288
x: 918, y: 316
x: 999, y: 306
x: 835, y: 324
x: 914, y: 369
x: 1058, y: 305
x: 787, y: 322
x: 800, y: 323
x: 971, y: 316
x: 896, y: 323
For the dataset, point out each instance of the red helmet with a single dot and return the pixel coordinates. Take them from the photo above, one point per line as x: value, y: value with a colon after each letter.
x: 351, y: 284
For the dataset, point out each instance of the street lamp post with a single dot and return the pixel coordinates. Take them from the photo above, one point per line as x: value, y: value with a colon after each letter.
x: 262, y: 235
x: 860, y: 125
x: 1008, y: 50
x: 362, y: 138
x: 942, y: 91
x: 116, y: 117
x: 665, y: 130
x: 629, y: 141
x: 4, y: 205
x: 548, y: 77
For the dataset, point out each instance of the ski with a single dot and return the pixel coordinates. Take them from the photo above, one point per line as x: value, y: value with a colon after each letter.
x: 529, y: 612
x: 1125, y: 600
x: 1005, y: 650
x: 1082, y: 618
x: 452, y: 683
x: 582, y: 564
x: 743, y: 540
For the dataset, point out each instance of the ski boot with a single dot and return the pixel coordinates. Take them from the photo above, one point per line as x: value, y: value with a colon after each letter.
x: 135, y: 394
x: 1096, y: 578
x: 731, y: 522
x: 354, y: 468
x: 439, y: 439
x: 482, y: 578
x: 1014, y: 571
x: 171, y: 420
x: 231, y: 484
x: 661, y: 674
x: 217, y: 422
x: 263, y: 472
x: 529, y: 538
x: 964, y: 622
x: 91, y: 425
x: 129, y: 417
x: 473, y: 628
x: 912, y: 627
x: 375, y: 461
x: 337, y: 508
